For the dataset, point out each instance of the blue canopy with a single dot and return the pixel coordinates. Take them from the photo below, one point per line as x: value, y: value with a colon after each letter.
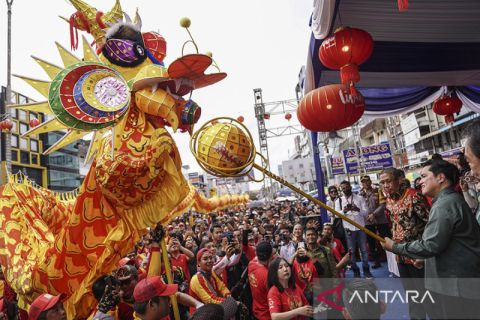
x: 418, y: 55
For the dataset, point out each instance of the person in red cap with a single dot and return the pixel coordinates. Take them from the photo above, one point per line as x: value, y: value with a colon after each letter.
x: 152, y: 300
x: 47, y: 307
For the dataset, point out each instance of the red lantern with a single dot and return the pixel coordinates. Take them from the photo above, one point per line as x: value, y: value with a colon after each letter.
x: 288, y: 116
x: 34, y: 122
x: 240, y: 119
x: 266, y: 116
x: 7, y: 124
x: 447, y: 106
x: 346, y: 49
x: 330, y: 108
x: 2, y: 125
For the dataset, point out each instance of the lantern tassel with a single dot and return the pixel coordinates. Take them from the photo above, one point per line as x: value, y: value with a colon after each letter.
x: 349, y: 73
x: 402, y: 5
x: 449, y: 118
x: 353, y: 91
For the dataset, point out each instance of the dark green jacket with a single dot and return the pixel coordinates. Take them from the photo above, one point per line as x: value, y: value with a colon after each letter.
x: 450, y: 245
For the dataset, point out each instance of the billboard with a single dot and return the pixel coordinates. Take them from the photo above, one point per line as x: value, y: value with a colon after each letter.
x: 337, y: 165
x: 373, y: 158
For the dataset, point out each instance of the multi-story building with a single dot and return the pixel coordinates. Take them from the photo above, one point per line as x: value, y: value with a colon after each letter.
x: 299, y: 172
x: 26, y: 152
x: 58, y: 171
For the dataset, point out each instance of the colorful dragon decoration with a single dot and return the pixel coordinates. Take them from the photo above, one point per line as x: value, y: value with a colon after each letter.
x: 123, y: 93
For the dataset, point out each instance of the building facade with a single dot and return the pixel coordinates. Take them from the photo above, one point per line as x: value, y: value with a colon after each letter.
x: 58, y: 171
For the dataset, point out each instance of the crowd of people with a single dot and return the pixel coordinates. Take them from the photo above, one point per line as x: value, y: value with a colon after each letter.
x: 262, y: 263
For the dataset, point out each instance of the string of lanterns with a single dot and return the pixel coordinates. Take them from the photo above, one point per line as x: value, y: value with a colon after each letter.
x: 337, y: 106
x: 6, y: 124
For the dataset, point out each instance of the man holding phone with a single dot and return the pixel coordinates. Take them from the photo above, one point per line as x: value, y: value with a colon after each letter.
x: 355, y: 208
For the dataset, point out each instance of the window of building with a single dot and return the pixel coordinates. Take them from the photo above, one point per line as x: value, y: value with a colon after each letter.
x: 34, y: 145
x: 22, y: 99
x: 23, y: 144
x: 24, y: 157
x: 300, y: 165
x: 34, y: 158
x: 22, y: 115
x: 13, y: 112
x: 14, y: 126
x: 14, y: 154
x: 14, y: 141
x: 23, y: 128
x: 290, y: 167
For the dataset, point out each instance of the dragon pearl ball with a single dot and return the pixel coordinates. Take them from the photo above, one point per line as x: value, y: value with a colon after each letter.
x: 224, y: 147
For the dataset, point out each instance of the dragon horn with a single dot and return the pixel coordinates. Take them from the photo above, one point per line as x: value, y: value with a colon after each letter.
x: 127, y: 18
x: 137, y: 21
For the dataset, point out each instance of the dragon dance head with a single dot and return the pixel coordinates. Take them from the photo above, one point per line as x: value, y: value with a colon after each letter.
x: 125, y: 75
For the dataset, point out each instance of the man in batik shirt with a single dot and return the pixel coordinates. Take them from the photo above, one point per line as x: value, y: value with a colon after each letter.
x: 409, y: 214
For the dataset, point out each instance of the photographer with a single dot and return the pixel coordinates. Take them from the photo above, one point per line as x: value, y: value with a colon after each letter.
x: 305, y: 270
x: 355, y: 208
x: 287, y: 247
x: 179, y: 256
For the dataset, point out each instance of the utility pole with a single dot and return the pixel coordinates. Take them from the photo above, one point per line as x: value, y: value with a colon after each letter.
x: 5, y: 136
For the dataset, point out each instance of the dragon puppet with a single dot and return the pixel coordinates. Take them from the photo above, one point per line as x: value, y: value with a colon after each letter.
x: 123, y: 93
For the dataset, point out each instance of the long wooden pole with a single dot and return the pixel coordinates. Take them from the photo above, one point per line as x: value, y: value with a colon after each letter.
x: 168, y: 271
x: 318, y: 202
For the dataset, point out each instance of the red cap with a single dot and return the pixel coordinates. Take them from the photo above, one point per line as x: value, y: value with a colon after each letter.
x: 43, y: 303
x: 151, y: 287
x: 200, y: 254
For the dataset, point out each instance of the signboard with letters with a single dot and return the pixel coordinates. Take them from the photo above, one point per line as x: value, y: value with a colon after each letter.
x: 337, y: 165
x: 374, y: 158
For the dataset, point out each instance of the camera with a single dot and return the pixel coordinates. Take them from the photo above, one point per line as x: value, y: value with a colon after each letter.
x: 230, y: 239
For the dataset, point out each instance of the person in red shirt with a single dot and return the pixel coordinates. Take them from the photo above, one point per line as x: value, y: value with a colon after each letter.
x: 285, y: 299
x: 179, y: 256
x: 258, y: 279
x: 304, y: 271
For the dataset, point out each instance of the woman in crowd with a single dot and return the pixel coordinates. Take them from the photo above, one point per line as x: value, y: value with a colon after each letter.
x: 285, y: 299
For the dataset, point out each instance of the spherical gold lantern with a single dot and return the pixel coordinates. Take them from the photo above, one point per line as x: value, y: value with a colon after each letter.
x: 223, y: 148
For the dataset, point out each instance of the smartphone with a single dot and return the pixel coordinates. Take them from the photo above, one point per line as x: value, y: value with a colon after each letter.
x: 301, y: 245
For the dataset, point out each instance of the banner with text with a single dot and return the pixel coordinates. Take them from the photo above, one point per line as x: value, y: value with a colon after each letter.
x: 374, y: 158
x: 337, y: 165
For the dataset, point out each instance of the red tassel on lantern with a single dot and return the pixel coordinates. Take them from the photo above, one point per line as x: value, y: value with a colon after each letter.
x: 402, y: 5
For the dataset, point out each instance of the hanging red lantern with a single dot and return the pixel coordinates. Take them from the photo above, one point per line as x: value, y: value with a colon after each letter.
x: 34, y: 122
x: 345, y: 50
x: 330, y: 108
x: 447, y: 106
x: 288, y: 116
x: 266, y: 116
x: 7, y: 124
x: 240, y: 119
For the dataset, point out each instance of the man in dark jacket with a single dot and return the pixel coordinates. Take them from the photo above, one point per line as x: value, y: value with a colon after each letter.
x: 450, y: 245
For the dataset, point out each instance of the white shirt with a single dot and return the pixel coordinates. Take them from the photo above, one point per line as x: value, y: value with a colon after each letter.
x: 287, y: 251
x: 334, y: 204
x: 357, y: 216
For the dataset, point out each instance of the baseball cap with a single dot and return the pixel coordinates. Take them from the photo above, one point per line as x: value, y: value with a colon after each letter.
x: 44, y: 302
x: 364, y: 178
x: 151, y: 287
